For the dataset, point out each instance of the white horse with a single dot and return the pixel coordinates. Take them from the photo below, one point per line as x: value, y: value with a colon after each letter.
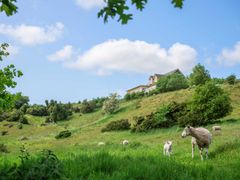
x: 200, y: 136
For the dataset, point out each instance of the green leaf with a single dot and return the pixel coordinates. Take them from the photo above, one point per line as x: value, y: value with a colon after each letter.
x: 140, y: 4
x: 8, y: 7
x: 178, y: 3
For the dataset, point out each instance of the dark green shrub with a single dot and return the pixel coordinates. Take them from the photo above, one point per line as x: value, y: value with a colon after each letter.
x: 4, y: 116
x: 3, y: 133
x: 143, y: 124
x: 45, y: 166
x: 137, y: 123
x: 176, y: 111
x: 209, y: 103
x: 87, y: 107
x: 63, y: 134
x: 57, y: 112
x: 21, y: 100
x: 189, y: 118
x: 122, y: 124
x: 148, y: 123
x: 98, y: 102
x: 140, y: 94
x: 172, y: 82
x: 231, y: 79
x: 3, y: 148
x: 17, y: 116
x: 14, y: 115
x: 20, y: 126
x: 76, y: 109
x: 153, y: 92
x: 131, y: 96
x: 127, y: 97
x: 37, y: 110
x: 23, y: 120
x: 164, y: 117
x: 199, y: 76
x: 218, y: 80
x: 24, y: 108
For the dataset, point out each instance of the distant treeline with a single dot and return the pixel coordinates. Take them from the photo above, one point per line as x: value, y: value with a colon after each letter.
x: 177, y: 81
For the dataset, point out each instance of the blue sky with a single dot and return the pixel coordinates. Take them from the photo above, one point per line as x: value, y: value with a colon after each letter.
x: 66, y: 53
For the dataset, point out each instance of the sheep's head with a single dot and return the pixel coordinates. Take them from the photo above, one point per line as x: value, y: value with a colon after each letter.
x: 186, y: 132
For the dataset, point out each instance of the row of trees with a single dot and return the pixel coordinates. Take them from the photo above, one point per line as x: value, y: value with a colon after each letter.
x: 55, y: 111
x: 176, y: 81
x: 208, y: 104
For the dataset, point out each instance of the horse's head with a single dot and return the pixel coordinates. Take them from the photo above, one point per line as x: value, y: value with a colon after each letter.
x: 186, y: 132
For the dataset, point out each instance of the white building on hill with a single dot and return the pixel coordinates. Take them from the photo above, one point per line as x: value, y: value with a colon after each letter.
x: 152, y: 84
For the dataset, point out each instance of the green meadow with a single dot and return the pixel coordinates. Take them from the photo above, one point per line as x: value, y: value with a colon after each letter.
x: 81, y: 157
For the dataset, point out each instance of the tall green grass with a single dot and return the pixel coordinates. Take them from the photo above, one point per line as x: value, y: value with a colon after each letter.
x: 137, y: 161
x: 81, y: 158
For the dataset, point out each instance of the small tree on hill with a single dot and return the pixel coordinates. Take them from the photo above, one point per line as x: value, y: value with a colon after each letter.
x: 231, y: 79
x: 199, y: 76
x: 57, y: 112
x: 21, y: 100
x: 37, y: 110
x: 87, y: 106
x: 111, y: 104
x: 209, y: 103
x: 172, y: 82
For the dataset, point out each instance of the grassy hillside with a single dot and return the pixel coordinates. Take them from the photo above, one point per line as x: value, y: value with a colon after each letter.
x: 83, y: 158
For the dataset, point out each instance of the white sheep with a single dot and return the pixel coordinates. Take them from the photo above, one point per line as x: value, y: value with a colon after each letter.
x: 167, y: 148
x: 216, y: 128
x: 200, y: 137
x: 101, y: 143
x: 125, y: 142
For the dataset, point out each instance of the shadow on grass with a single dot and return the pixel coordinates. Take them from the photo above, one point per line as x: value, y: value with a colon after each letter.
x: 222, y: 121
x: 229, y: 146
x: 121, y: 110
x: 102, y: 165
x: 231, y: 120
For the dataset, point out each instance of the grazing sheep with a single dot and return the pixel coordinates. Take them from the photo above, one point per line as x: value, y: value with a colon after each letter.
x: 216, y: 128
x: 200, y: 137
x: 101, y: 144
x: 125, y: 142
x: 167, y: 148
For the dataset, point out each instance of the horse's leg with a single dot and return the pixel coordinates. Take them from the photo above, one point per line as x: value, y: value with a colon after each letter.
x: 201, y: 150
x: 193, y: 150
x: 206, y: 153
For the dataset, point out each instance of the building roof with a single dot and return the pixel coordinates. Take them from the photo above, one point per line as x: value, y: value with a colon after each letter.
x: 166, y: 74
x: 172, y: 72
x: 144, y: 86
x: 158, y: 75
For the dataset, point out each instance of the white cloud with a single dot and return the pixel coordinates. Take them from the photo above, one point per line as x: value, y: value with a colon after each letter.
x: 89, y: 4
x: 135, y: 56
x: 230, y: 56
x: 62, y: 55
x: 13, y: 50
x: 31, y: 35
